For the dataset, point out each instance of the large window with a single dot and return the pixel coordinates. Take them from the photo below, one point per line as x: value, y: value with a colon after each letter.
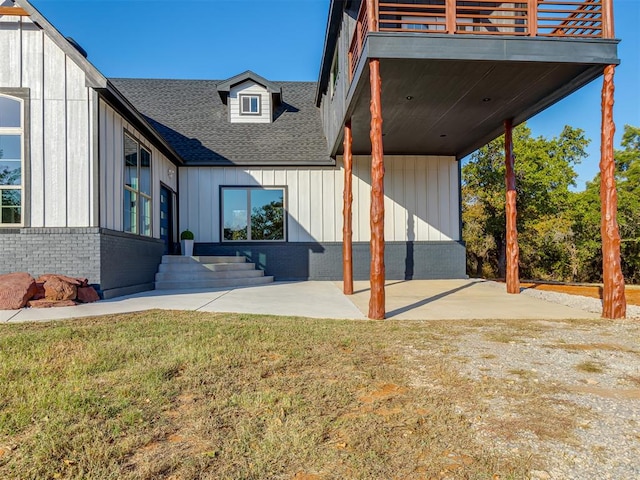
x: 137, y: 187
x: 11, y: 161
x: 253, y: 214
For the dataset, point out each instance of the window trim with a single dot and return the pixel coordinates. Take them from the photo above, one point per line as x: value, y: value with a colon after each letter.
x: 139, y: 194
x: 248, y: 188
x: 250, y: 95
x: 22, y: 95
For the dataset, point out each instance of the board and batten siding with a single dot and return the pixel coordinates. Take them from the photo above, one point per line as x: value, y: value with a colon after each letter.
x: 421, y: 199
x: 249, y: 88
x: 60, y: 189
x: 112, y: 129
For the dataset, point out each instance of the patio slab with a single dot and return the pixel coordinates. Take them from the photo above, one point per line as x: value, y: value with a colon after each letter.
x: 461, y: 299
x: 405, y: 300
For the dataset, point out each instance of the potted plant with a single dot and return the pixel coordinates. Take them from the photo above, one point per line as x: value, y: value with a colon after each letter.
x: 186, y: 243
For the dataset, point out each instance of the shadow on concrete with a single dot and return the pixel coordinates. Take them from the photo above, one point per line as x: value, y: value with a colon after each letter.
x: 428, y: 300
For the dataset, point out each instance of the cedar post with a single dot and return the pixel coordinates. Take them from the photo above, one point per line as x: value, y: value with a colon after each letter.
x: 347, y: 199
x: 614, y: 304
x: 377, y: 275
x: 512, y: 254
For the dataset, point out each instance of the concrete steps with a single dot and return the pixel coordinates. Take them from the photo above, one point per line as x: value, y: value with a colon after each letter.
x: 177, y: 272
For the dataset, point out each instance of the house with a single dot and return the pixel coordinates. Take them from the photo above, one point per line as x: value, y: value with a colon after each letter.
x: 336, y: 179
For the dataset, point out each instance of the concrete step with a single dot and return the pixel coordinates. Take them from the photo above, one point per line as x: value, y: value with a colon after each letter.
x: 205, y: 267
x: 223, y: 283
x: 206, y: 275
x: 202, y: 259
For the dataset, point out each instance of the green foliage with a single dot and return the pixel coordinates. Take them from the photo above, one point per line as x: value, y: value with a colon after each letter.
x: 187, y: 235
x: 558, y: 230
x: 544, y: 173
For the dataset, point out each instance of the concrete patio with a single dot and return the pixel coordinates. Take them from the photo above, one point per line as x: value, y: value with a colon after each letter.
x: 405, y: 300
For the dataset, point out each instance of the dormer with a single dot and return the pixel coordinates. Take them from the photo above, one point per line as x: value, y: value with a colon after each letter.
x: 250, y: 98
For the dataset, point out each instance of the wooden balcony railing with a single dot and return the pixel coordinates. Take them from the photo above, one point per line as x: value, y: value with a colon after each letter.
x: 530, y: 18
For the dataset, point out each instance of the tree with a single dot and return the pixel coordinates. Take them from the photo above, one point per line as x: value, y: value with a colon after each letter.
x: 544, y: 173
x: 587, y: 214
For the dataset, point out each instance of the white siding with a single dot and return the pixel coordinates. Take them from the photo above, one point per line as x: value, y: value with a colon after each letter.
x: 421, y: 199
x: 250, y: 88
x: 59, y: 134
x: 112, y: 128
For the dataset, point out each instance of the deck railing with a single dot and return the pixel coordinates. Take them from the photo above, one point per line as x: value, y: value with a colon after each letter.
x: 530, y: 18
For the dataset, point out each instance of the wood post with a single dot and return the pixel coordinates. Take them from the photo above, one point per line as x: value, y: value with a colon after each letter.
x: 347, y: 201
x: 614, y: 304
x: 377, y: 274
x: 512, y: 254
x: 450, y: 15
x: 372, y: 15
x: 608, y: 29
x: 532, y: 17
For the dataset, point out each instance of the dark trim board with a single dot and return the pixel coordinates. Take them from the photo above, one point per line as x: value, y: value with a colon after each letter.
x: 323, y: 261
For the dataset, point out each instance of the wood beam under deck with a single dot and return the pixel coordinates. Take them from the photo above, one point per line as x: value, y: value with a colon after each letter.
x: 347, y: 214
x: 513, y: 253
x: 614, y: 304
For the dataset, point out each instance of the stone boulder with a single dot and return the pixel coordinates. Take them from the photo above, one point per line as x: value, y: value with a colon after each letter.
x: 78, y: 282
x: 16, y: 289
x: 87, y: 295
x: 57, y: 288
x: 39, y: 295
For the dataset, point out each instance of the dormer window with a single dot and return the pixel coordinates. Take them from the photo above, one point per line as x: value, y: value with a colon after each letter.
x: 250, y: 98
x: 250, y: 104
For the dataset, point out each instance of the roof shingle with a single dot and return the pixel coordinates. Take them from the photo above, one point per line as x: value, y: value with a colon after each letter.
x: 190, y: 115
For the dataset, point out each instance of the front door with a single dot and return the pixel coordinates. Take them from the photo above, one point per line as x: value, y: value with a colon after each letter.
x: 166, y: 219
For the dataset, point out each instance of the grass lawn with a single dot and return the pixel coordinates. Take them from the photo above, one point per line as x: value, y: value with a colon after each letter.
x: 198, y: 395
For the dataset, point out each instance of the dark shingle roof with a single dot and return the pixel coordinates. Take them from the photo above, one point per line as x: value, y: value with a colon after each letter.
x: 190, y: 115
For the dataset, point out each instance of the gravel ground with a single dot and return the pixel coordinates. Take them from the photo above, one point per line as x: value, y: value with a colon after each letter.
x: 592, y: 371
x: 577, y: 301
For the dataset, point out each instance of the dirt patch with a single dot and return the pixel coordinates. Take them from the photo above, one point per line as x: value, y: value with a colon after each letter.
x: 615, y: 393
x: 385, y: 391
x: 632, y: 292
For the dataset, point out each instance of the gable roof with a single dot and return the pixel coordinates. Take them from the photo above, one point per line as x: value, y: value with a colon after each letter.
x: 225, y: 86
x: 96, y: 80
x: 192, y: 118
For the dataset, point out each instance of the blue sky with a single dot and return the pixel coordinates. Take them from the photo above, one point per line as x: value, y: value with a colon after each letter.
x: 282, y: 40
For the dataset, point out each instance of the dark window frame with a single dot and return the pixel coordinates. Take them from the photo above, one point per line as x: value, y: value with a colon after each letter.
x: 250, y: 95
x: 138, y: 191
x: 249, y: 188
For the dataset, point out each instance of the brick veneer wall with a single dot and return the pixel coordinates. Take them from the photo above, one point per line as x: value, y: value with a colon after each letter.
x: 114, y: 262
x: 323, y: 261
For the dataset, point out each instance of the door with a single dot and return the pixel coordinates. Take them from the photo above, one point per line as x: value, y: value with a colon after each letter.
x: 166, y: 219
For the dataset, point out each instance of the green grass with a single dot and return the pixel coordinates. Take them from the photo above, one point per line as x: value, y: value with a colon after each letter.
x: 194, y: 395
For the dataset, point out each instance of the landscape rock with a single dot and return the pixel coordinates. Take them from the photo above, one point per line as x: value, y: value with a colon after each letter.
x: 15, y: 290
x: 55, y: 288
x: 44, y: 303
x: 39, y: 295
x: 87, y: 295
x: 78, y: 282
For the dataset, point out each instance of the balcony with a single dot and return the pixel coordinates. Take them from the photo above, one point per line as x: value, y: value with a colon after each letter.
x: 453, y: 70
x: 532, y: 18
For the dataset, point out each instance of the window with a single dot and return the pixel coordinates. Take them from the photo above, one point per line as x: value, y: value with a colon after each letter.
x: 250, y: 104
x: 335, y: 70
x: 253, y: 214
x: 11, y: 161
x: 137, y: 188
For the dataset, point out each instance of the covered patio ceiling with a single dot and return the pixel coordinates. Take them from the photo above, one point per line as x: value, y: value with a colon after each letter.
x: 450, y: 107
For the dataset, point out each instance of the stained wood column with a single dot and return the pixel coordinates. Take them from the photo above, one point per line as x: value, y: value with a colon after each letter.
x: 377, y: 274
x: 614, y: 304
x: 512, y: 253
x: 347, y: 201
